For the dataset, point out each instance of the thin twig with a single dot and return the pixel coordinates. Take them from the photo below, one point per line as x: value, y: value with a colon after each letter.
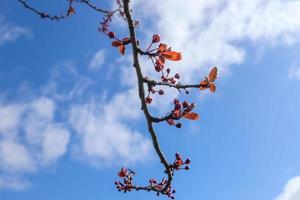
x: 43, y: 14
x: 93, y: 6
x: 177, y: 86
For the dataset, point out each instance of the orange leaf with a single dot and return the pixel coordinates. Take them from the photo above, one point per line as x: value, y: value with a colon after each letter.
x: 122, y: 173
x: 188, y: 109
x: 162, y: 59
x: 203, y: 87
x: 176, y: 113
x: 70, y: 11
x: 159, y: 62
x: 116, y: 43
x: 162, y: 47
x: 204, y: 84
x: 122, y: 49
x: 126, y: 40
x: 213, y: 74
x: 171, y: 55
x: 212, y: 87
x: 179, y: 162
x: 191, y: 116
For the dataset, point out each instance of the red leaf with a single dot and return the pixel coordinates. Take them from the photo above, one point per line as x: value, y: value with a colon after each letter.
x: 122, y: 49
x: 116, y: 43
x: 162, y: 47
x: 176, y: 113
x: 213, y: 74
x: 111, y: 35
x: 161, y: 59
x: 171, y: 55
x: 203, y: 87
x: 179, y: 162
x: 70, y: 11
x: 212, y: 87
x: 204, y: 84
x: 159, y: 62
x: 191, y: 116
x: 155, y: 38
x: 188, y: 109
x: 126, y: 40
x: 123, y: 173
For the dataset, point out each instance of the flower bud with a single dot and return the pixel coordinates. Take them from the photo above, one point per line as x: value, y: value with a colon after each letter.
x: 177, y: 76
x: 111, y: 35
x: 148, y: 100
x: 155, y: 38
x: 160, y: 92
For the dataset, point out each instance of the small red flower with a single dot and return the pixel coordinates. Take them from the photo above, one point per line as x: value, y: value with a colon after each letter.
x: 148, y: 100
x: 160, y: 92
x: 111, y: 35
x: 70, y: 11
x: 155, y: 38
x: 123, y: 172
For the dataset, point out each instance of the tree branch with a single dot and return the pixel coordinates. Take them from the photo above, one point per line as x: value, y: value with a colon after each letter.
x: 177, y: 86
x: 43, y: 14
x: 140, y: 78
x: 93, y: 6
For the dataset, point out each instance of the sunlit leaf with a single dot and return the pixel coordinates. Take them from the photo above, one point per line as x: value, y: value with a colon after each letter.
x: 179, y: 162
x: 123, y: 172
x: 188, y: 109
x: 213, y: 74
x: 122, y: 49
x: 162, y: 47
x: 191, y: 116
x: 212, y: 87
x: 70, y: 11
x: 171, y: 55
x: 161, y: 59
x: 176, y: 113
x: 116, y: 43
x: 204, y: 84
x: 126, y: 40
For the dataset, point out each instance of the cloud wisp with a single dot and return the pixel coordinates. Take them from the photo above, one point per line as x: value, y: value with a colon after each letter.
x: 10, y: 33
x: 291, y: 190
x: 37, y: 133
x: 212, y: 32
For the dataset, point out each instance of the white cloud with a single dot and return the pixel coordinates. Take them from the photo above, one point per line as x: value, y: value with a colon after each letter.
x: 11, y: 182
x: 212, y: 31
x: 31, y: 140
x: 105, y: 138
x: 15, y: 157
x: 55, y: 141
x: 49, y: 137
x: 39, y: 114
x: 10, y: 118
x: 210, y: 34
x: 43, y: 108
x: 291, y: 190
x: 97, y: 60
x: 10, y: 33
x: 294, y: 73
x: 74, y: 86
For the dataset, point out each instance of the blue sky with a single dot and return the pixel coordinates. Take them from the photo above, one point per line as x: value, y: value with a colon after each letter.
x: 70, y: 118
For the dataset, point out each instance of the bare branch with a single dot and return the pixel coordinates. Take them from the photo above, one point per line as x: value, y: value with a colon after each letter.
x: 139, y: 74
x: 177, y: 86
x: 93, y: 6
x: 41, y: 13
